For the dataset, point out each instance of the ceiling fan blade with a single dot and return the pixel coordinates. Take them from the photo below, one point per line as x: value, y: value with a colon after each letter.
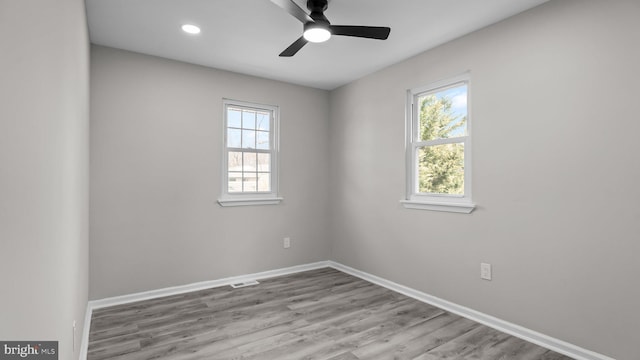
x: 293, y: 9
x: 370, y: 32
x: 294, y: 48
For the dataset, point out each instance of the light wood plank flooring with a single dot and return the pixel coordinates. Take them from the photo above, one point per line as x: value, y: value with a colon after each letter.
x: 319, y: 314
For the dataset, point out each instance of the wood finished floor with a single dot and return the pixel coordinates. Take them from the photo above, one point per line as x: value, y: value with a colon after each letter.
x: 319, y: 314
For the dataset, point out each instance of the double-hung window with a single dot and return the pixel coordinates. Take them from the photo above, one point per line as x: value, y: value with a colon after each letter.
x: 438, y: 147
x: 250, y: 154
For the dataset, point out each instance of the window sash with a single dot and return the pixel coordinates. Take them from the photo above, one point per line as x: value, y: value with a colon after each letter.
x: 416, y: 173
x: 454, y: 140
x: 257, y: 172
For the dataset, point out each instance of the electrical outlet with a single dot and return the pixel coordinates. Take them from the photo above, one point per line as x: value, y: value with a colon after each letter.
x: 286, y: 243
x: 485, y: 271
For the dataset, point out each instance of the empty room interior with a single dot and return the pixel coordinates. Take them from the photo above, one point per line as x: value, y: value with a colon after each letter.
x: 460, y: 187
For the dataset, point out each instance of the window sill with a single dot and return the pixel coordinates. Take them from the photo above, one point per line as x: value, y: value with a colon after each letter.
x: 250, y: 201
x: 464, y: 208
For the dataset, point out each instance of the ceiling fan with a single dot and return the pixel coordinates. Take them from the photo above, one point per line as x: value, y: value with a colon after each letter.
x: 317, y: 27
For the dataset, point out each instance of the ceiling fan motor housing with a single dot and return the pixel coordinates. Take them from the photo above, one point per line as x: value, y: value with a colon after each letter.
x: 317, y: 8
x: 317, y: 5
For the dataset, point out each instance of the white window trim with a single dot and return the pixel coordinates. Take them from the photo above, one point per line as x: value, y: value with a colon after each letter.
x: 250, y: 199
x: 436, y: 202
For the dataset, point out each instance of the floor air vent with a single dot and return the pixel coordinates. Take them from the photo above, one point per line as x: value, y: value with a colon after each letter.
x: 244, y: 284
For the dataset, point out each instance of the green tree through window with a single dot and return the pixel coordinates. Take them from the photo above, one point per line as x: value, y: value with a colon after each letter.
x: 440, y: 166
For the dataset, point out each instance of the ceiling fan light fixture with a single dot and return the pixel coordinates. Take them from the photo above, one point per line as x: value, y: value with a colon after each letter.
x: 191, y: 29
x: 316, y: 33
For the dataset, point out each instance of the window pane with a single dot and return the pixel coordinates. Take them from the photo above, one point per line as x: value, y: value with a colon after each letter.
x: 235, y: 161
x: 443, y: 114
x: 262, y: 140
x: 234, y: 118
x: 233, y: 138
x: 235, y: 182
x: 250, y: 182
x: 248, y: 139
x: 264, y: 182
x: 441, y: 169
x: 263, y: 121
x: 248, y: 119
x: 264, y: 162
x: 249, y: 163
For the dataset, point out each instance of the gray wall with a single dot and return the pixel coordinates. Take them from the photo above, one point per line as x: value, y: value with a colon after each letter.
x: 556, y: 172
x: 156, y: 144
x: 44, y: 83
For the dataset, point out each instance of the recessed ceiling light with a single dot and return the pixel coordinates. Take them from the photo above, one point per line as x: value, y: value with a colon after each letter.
x: 190, y: 29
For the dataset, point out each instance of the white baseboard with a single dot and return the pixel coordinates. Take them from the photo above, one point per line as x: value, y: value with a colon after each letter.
x: 529, y: 335
x: 535, y: 337
x: 181, y: 289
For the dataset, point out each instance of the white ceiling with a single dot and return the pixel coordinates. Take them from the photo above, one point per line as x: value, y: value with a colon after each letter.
x: 246, y: 36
